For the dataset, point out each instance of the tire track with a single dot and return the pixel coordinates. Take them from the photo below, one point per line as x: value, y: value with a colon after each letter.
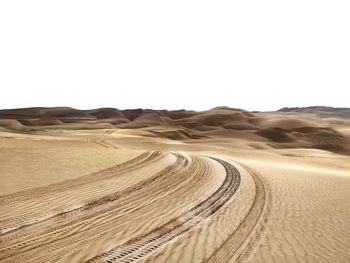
x: 18, y: 243
x: 13, y: 223
x: 180, y: 161
x: 242, y: 241
x: 133, y: 164
x: 105, y: 144
x: 103, y: 140
x: 139, y: 247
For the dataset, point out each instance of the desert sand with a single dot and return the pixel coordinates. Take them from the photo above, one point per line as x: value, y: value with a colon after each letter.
x: 223, y: 185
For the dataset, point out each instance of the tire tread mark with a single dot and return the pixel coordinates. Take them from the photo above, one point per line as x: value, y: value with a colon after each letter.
x: 249, y: 249
x: 140, y: 246
x: 10, y: 228
x: 70, y: 183
x: 180, y: 163
x: 233, y: 246
x: 104, y: 142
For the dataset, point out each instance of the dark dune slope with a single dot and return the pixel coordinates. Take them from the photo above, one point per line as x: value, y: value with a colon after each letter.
x: 287, y: 128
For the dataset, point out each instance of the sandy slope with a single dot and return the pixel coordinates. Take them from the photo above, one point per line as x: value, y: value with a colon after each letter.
x: 217, y: 186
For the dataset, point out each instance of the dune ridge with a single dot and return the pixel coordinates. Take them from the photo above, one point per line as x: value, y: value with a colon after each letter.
x: 310, y: 127
x: 142, y: 185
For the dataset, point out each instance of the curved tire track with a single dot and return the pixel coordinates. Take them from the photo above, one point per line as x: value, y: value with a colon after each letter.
x: 8, y: 225
x: 242, y: 241
x: 109, y: 172
x: 139, y: 247
x: 77, y: 216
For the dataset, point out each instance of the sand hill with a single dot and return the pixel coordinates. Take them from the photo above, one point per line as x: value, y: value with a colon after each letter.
x: 311, y: 127
x: 142, y: 185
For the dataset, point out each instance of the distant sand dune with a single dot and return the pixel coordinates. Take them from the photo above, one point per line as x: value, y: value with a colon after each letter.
x: 222, y: 185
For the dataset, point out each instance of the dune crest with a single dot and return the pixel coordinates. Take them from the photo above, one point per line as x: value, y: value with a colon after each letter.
x: 142, y: 185
x: 287, y: 128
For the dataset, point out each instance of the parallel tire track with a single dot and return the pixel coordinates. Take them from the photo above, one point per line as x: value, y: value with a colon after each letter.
x: 78, y: 218
x: 134, y: 164
x: 104, y: 142
x: 242, y: 241
x: 10, y: 225
x: 139, y: 247
x: 180, y: 161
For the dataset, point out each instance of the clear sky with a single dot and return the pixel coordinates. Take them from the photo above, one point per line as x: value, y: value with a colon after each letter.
x: 256, y: 55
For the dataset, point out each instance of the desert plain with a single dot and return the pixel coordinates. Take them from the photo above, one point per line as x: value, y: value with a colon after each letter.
x: 222, y: 185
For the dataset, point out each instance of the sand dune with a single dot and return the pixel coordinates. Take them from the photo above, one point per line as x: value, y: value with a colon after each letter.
x: 10, y: 124
x: 287, y: 128
x: 223, y: 185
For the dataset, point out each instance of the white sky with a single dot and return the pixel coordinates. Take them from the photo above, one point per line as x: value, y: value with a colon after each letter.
x: 256, y: 55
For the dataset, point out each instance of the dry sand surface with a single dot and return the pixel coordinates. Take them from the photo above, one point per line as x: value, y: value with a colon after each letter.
x: 223, y: 185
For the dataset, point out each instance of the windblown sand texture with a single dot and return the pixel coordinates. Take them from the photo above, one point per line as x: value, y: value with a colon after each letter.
x: 223, y: 185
